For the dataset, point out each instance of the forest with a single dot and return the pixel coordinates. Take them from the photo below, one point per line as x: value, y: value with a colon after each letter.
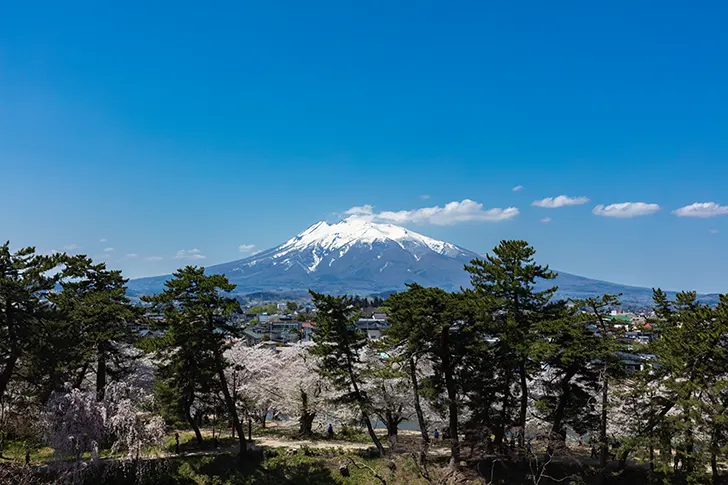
x: 495, y: 383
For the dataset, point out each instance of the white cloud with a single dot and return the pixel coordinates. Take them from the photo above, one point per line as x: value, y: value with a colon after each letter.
x: 362, y: 210
x: 192, y: 254
x: 246, y: 248
x: 517, y: 188
x: 703, y: 210
x: 626, y: 209
x: 71, y: 247
x: 546, y: 220
x: 153, y: 258
x: 713, y: 231
x: 132, y: 255
x: 560, y: 201
x: 451, y: 213
x: 424, y: 197
x: 103, y: 239
x: 108, y: 250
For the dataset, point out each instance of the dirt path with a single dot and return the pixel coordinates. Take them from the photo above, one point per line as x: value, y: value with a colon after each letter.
x: 279, y: 442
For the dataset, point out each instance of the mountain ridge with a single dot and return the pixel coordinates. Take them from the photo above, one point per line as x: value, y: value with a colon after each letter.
x: 359, y: 256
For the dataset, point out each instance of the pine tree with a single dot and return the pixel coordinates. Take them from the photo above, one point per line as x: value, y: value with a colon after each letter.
x: 196, y: 317
x: 424, y: 325
x: 26, y: 278
x: 339, y: 344
x: 508, y: 276
x: 571, y: 350
x: 94, y: 304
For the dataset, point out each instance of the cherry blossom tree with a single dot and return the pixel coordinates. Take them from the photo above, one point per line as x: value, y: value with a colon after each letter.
x: 75, y: 422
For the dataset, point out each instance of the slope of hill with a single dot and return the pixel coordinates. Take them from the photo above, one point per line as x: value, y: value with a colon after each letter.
x: 356, y: 256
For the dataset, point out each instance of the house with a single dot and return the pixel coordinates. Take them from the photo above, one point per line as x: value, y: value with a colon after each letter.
x: 372, y: 327
x: 634, y: 362
x: 252, y: 338
x: 285, y: 331
x: 307, y: 330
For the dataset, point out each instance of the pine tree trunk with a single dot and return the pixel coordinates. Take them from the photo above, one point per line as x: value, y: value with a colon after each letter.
x: 372, y: 434
x: 418, y: 406
x: 79, y: 377
x: 362, y: 405
x: 498, y: 442
x: 524, y: 403
x: 392, y: 429
x: 7, y: 373
x: 451, y: 398
x: 714, y: 467
x: 100, y: 373
x: 604, y: 445
x: 230, y: 404
x: 559, y: 414
x: 195, y: 427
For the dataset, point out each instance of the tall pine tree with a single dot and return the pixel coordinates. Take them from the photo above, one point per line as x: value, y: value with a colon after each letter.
x: 196, y: 315
x: 338, y: 343
x: 508, y: 277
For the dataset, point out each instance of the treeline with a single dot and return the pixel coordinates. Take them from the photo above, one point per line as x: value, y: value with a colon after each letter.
x: 508, y: 366
x: 500, y: 369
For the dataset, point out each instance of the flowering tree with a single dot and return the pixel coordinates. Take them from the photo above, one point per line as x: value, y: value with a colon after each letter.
x: 255, y: 373
x: 389, y: 388
x: 303, y: 392
x: 75, y: 422
x: 283, y: 381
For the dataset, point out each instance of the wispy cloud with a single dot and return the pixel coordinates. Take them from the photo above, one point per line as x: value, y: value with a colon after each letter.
x: 108, y: 250
x: 191, y: 254
x: 713, y: 231
x: 246, y: 248
x: 517, y: 188
x: 154, y: 258
x: 702, y: 210
x: 71, y: 247
x: 103, y: 239
x: 559, y: 201
x: 451, y: 213
x: 360, y: 210
x: 546, y: 220
x: 132, y: 255
x: 424, y: 197
x: 626, y: 210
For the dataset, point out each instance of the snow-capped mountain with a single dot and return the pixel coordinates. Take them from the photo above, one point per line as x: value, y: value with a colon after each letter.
x: 356, y: 256
x: 352, y: 256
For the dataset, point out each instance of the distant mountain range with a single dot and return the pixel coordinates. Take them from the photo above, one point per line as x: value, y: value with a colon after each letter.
x: 356, y: 256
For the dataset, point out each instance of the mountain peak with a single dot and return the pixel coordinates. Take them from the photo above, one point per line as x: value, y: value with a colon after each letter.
x: 360, y: 230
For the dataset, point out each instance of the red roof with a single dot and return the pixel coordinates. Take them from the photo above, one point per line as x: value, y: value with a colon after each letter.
x: 308, y: 324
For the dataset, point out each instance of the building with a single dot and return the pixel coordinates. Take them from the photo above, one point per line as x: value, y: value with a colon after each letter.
x: 285, y: 331
x: 372, y: 327
x: 307, y: 330
x: 252, y: 338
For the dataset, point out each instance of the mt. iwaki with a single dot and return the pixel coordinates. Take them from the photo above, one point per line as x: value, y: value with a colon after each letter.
x: 357, y: 256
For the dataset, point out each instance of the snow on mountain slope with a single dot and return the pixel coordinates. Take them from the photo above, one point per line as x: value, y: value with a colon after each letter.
x: 354, y: 253
x: 324, y: 241
x: 356, y: 256
x: 352, y: 256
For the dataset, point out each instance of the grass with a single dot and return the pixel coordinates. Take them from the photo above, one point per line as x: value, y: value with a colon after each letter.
x: 15, y: 450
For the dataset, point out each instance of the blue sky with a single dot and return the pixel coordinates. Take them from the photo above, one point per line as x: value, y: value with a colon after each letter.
x: 162, y: 127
